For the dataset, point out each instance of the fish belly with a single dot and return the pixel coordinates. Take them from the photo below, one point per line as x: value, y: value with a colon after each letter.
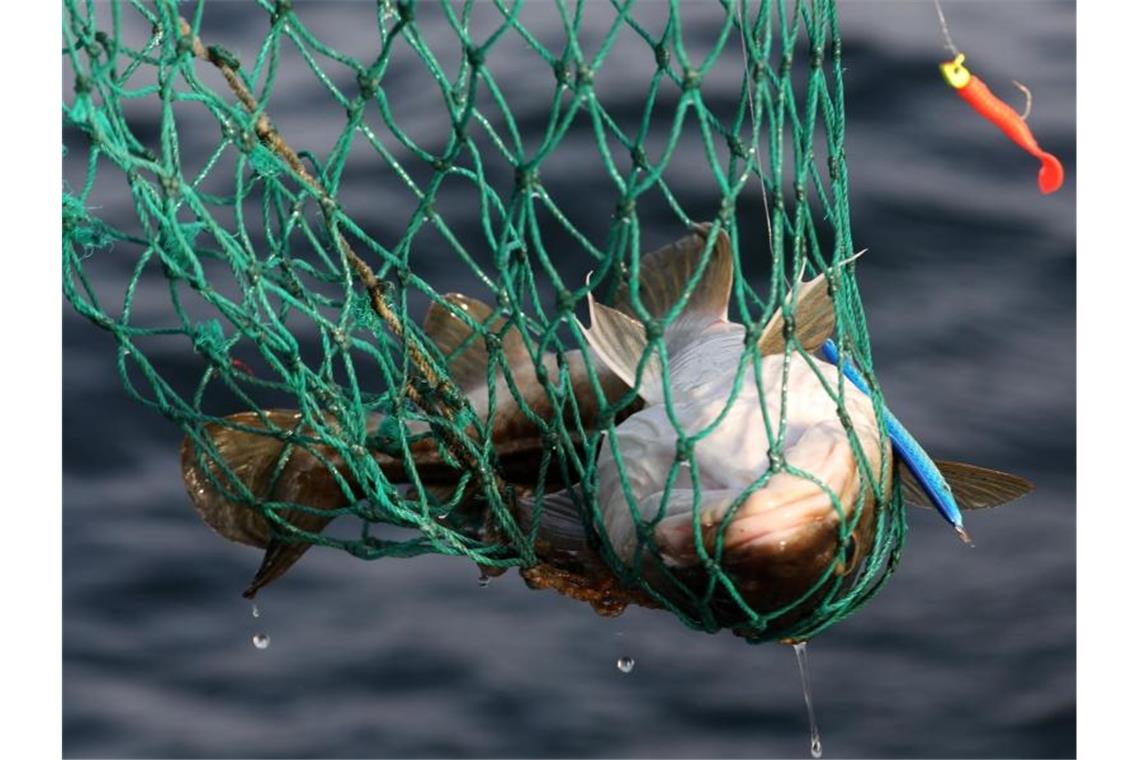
x: 731, y: 439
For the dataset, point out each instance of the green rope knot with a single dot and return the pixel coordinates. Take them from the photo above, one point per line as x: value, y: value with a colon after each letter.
x: 171, y: 185
x: 526, y: 177
x: 626, y: 208
x: 758, y: 71
x: 235, y: 256
x: 583, y: 77
x: 82, y: 229
x: 560, y: 75
x: 565, y: 303
x: 736, y: 147
x: 185, y: 45
x: 264, y: 161
x: 789, y: 325
x: 368, y: 84
x: 219, y: 54
x: 210, y: 342
x: 638, y: 157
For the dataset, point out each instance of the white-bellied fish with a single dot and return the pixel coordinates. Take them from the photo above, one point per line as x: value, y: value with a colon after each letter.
x: 774, y: 541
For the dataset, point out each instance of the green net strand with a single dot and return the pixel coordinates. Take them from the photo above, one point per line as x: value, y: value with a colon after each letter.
x: 241, y: 276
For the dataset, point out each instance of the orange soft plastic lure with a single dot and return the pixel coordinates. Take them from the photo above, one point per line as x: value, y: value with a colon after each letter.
x: 974, y: 91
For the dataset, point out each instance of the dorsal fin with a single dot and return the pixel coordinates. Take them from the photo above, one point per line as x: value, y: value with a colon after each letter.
x: 815, y: 320
x: 467, y: 364
x: 665, y: 273
x: 619, y: 342
x: 973, y: 487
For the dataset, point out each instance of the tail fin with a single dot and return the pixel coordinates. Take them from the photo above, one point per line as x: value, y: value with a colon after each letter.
x: 1052, y: 174
x: 251, y: 465
x: 973, y: 487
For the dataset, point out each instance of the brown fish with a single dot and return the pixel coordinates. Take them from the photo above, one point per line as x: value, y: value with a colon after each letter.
x: 775, y: 542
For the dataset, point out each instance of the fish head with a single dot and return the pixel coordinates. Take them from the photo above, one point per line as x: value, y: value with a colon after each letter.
x: 777, y: 532
x: 784, y: 545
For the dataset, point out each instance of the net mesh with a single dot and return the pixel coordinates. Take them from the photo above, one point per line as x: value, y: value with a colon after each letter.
x: 243, y: 275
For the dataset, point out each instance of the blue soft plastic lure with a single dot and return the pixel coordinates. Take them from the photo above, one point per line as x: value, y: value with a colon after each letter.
x: 908, y: 449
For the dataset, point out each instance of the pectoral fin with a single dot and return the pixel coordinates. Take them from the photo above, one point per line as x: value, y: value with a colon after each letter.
x: 619, y: 342
x: 678, y: 273
x: 814, y: 320
x: 973, y: 487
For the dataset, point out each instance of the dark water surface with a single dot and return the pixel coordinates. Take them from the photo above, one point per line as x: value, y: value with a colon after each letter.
x: 970, y: 293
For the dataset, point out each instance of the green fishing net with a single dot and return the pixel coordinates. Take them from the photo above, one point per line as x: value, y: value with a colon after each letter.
x: 238, y: 274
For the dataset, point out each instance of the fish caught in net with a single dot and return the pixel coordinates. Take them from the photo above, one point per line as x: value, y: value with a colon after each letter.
x: 624, y: 426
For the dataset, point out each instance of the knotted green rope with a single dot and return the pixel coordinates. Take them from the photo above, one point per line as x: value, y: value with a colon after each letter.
x: 260, y: 271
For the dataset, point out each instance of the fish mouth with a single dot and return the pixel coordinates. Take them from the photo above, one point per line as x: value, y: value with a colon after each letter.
x: 780, y: 543
x: 782, y: 531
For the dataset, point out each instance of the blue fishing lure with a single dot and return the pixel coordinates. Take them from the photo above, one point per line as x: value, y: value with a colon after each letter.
x: 908, y: 449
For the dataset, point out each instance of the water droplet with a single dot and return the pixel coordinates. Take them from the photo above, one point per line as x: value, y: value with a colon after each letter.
x: 261, y: 641
x: 801, y: 660
x: 484, y: 580
x: 625, y: 664
x: 256, y: 611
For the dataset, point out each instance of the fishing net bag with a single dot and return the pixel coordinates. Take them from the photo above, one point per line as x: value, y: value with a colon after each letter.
x: 355, y: 269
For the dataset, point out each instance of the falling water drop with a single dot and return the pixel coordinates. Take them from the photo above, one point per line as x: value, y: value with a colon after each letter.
x: 256, y: 611
x: 261, y: 641
x: 801, y: 660
x: 625, y: 664
x: 484, y: 580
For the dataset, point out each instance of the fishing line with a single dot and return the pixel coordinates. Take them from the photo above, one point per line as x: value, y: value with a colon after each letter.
x: 945, y: 29
x: 752, y: 111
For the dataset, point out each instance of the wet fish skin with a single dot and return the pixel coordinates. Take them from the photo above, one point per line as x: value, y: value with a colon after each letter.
x: 251, y: 445
x: 772, y: 555
x: 776, y: 542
